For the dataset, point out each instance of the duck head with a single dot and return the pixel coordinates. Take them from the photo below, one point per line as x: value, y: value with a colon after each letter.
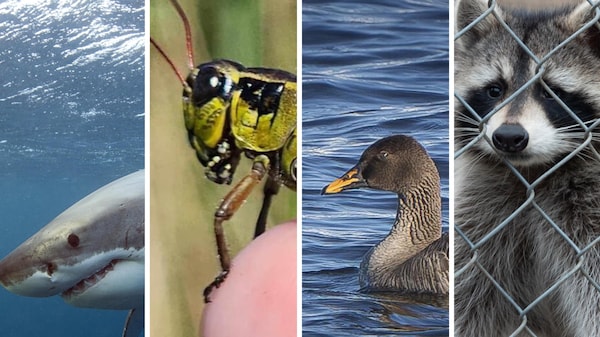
x: 396, y: 163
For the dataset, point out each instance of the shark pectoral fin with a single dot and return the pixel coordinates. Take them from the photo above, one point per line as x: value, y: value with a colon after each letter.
x: 134, y: 324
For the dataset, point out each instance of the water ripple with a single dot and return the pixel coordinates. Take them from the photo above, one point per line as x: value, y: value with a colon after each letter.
x: 370, y: 69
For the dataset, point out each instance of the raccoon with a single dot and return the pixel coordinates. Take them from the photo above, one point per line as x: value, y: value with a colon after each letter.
x: 527, y: 171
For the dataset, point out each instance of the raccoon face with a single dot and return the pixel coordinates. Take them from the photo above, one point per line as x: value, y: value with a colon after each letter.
x: 530, y: 105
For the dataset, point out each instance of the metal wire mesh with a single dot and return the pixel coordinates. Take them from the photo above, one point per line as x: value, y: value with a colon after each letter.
x: 475, y: 245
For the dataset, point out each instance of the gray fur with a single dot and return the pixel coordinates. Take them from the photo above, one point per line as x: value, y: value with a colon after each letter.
x: 527, y: 256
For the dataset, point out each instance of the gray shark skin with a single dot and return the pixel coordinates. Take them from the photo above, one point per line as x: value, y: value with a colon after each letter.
x: 92, y: 254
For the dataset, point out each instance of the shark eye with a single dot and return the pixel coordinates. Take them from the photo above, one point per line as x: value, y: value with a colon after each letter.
x: 73, y: 240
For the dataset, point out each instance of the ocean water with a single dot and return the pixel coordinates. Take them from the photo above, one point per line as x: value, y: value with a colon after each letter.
x: 71, y: 120
x: 370, y: 69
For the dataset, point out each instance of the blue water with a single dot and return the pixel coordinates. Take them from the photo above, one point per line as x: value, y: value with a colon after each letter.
x: 370, y: 69
x: 71, y: 120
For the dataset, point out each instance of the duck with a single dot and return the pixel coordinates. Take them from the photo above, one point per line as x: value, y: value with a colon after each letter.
x: 413, y: 257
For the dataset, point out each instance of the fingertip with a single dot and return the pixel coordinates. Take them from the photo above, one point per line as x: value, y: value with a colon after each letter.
x: 258, y: 298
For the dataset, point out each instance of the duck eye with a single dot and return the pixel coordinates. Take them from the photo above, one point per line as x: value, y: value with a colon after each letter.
x: 383, y: 155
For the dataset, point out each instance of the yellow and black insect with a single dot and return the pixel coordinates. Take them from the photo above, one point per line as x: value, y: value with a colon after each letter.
x: 230, y: 110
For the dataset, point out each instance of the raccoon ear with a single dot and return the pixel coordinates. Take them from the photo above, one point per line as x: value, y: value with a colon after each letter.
x: 580, y: 16
x: 468, y: 11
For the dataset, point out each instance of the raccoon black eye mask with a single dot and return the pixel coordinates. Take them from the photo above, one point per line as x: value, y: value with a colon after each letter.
x: 413, y: 258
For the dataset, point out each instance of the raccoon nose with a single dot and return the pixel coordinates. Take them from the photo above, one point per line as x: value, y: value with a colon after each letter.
x: 510, y: 138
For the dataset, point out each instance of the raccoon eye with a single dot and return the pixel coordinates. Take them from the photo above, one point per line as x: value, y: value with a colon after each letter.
x: 495, y: 91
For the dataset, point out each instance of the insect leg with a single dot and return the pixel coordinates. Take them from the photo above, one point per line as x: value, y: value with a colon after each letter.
x: 230, y: 204
x: 271, y: 188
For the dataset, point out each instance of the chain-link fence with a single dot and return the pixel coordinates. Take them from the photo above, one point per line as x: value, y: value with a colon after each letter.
x: 527, y: 219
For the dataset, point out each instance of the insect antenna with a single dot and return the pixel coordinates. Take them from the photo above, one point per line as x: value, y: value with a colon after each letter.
x: 188, y: 44
x: 188, y: 33
x: 162, y: 52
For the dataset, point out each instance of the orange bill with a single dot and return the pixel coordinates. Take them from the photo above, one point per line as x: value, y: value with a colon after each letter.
x: 351, y: 179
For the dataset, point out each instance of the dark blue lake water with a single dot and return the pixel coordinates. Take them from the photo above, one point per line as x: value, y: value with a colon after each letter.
x: 370, y: 69
x: 71, y: 120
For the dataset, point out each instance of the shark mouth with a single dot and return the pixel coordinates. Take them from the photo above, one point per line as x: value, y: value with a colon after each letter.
x: 85, y: 284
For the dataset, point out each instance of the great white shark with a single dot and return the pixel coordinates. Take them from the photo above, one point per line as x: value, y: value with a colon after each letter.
x: 92, y: 254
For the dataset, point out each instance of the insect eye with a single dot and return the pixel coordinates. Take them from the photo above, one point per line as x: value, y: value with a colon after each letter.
x: 208, y: 77
x: 495, y: 91
x: 213, y: 82
x: 210, y: 83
